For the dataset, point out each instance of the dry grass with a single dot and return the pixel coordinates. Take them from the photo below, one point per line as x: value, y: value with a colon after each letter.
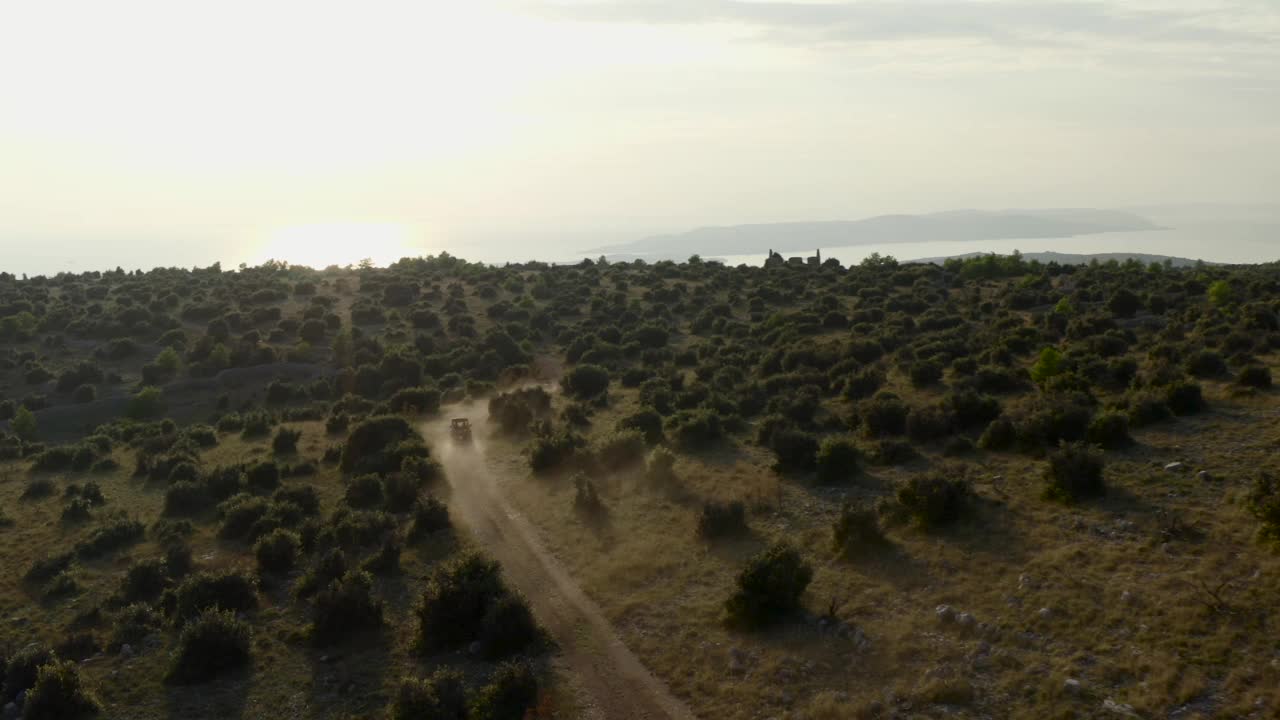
x: 1134, y: 609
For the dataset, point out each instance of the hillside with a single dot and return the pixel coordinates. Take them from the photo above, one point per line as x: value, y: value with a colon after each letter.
x: 957, y: 225
x: 993, y: 488
x: 1075, y: 258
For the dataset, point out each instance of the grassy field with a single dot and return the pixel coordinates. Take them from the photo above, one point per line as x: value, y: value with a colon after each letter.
x: 1154, y: 597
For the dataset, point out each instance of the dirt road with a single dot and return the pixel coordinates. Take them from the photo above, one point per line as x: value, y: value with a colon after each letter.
x: 613, y: 683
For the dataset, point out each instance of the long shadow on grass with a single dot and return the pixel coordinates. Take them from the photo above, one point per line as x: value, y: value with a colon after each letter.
x: 349, y: 677
x: 225, y: 697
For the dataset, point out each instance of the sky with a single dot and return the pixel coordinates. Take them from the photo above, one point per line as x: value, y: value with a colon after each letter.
x: 167, y: 132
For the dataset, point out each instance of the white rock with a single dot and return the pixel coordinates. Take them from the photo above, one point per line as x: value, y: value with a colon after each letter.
x: 126, y: 650
x: 1045, y: 613
x: 1072, y: 686
x: 1126, y: 597
x: 965, y: 619
x: 945, y: 613
x: 1119, y: 708
x: 1026, y: 582
x: 1174, y: 467
x: 1204, y: 476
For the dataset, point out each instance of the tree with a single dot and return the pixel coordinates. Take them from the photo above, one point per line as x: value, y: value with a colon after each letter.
x: 1047, y: 365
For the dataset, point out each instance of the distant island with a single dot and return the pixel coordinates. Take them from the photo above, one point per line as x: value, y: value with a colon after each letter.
x: 954, y: 225
x: 1075, y: 258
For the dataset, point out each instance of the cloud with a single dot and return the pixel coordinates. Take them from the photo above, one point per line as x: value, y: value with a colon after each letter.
x: 1005, y: 22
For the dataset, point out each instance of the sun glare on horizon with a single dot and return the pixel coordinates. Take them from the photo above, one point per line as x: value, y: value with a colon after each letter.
x: 319, y: 245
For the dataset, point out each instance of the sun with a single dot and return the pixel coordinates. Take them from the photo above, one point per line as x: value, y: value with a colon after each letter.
x: 320, y: 245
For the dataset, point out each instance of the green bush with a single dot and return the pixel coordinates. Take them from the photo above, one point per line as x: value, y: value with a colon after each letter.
x: 429, y: 516
x: 184, y: 499
x: 441, y: 696
x: 647, y: 422
x: 621, y: 450
x: 548, y: 452
x: 110, y: 537
x: 882, y: 415
x: 695, y: 430
x: 262, y: 476
x: 1110, y: 430
x: 59, y: 694
x: 934, y: 500
x: 22, y: 669
x: 285, y: 441
x: 508, y: 628
x: 226, y: 590
x: 768, y: 588
x: 132, y: 624
x: 144, y: 581
x: 364, y: 492
x: 374, y: 445
x: 345, y: 606
x: 214, y: 643
x: 1074, y: 473
x: 838, y: 459
x: 451, y: 611
x: 1206, y: 364
x: 508, y: 695
x: 147, y: 403
x: 277, y: 551
x: 857, y: 531
x: 1184, y: 398
x: 585, y: 381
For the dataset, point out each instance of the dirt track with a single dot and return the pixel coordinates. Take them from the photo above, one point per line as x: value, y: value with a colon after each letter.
x: 612, y: 682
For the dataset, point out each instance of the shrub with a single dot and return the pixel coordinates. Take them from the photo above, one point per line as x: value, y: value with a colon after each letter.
x: 719, y: 520
x: 925, y: 373
x: 621, y: 450
x: 514, y: 411
x: 933, y: 501
x: 372, y: 445
x: 132, y: 624
x: 186, y: 499
x: 429, y: 515
x: 386, y: 561
x: 768, y: 588
x: 694, y: 430
x: 59, y: 694
x: 928, y: 422
x: 1074, y: 473
x: 659, y: 467
x: 1263, y: 502
x: 508, y: 628
x: 347, y: 605
x: 144, y: 581
x: 213, y: 643
x: 1146, y: 408
x: 76, y: 511
x: 417, y: 400
x: 647, y: 422
x: 892, y: 452
x: 1047, y: 365
x: 1206, y: 364
x: 24, y: 424
x: 1256, y: 376
x: 1110, y: 430
x: 48, y: 566
x: 262, y: 476
x: 1184, y: 398
x: 400, y: 491
x: 509, y: 694
x: 863, y: 384
x: 285, y: 441
x: 331, y: 566
x: 304, y: 497
x: 37, y: 489
x: 548, y: 452
x: 23, y: 667
x: 277, y: 551
x: 453, y: 606
x: 837, y: 459
x: 585, y: 381
x: 884, y: 414
x: 240, y: 513
x: 227, y: 590
x: 364, y: 492
x: 442, y: 696
x: 585, y: 499
x: 111, y: 537
x: 857, y: 531
x: 793, y: 449
x: 147, y: 403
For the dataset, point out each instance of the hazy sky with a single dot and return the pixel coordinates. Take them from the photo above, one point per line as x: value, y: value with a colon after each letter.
x: 224, y: 130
